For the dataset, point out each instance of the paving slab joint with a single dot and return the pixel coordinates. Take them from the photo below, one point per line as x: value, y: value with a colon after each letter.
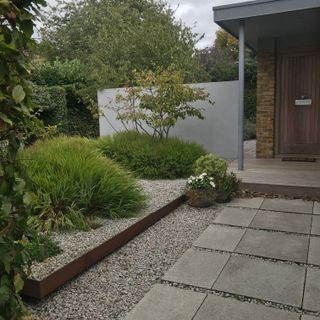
x: 242, y: 298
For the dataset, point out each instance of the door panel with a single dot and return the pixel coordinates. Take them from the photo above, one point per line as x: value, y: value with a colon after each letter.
x: 299, y: 124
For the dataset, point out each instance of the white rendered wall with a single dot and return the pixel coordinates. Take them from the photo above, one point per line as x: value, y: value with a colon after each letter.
x: 217, y: 133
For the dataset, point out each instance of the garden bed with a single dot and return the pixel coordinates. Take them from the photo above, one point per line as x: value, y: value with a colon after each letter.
x: 111, y: 288
x: 77, y: 245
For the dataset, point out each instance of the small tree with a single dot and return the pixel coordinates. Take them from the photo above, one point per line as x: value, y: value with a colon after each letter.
x: 158, y: 101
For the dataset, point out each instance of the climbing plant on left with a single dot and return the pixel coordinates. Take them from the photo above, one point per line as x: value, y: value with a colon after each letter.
x: 17, y: 19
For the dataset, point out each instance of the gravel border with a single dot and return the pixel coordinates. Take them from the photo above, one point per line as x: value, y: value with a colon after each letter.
x: 75, y: 244
x: 111, y: 288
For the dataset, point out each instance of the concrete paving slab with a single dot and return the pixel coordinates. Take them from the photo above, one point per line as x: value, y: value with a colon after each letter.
x: 220, y: 238
x: 167, y: 303
x: 253, y: 203
x: 198, y: 268
x: 236, y: 216
x: 218, y: 308
x: 282, y: 221
x: 311, y: 299
x: 314, y: 251
x: 316, y: 225
x: 274, y: 245
x: 265, y: 280
x: 285, y: 205
x: 307, y: 317
x: 316, y: 207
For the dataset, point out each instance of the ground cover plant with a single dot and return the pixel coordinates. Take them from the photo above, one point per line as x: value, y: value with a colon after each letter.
x: 151, y: 158
x: 73, y: 183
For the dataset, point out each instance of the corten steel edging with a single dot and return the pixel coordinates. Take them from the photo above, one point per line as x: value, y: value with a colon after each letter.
x: 283, y: 190
x: 41, y: 288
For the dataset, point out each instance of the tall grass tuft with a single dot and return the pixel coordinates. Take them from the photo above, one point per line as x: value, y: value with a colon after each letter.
x: 151, y: 158
x: 73, y: 182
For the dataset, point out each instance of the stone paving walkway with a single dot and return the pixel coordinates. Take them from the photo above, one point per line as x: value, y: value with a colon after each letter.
x: 259, y: 260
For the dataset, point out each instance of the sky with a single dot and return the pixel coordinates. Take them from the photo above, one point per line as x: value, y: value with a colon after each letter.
x: 198, y: 15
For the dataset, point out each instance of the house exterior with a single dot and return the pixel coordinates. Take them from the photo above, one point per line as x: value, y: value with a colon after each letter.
x: 286, y: 36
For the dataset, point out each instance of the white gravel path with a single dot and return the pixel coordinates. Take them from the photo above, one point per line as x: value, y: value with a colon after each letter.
x: 75, y: 244
x: 111, y: 288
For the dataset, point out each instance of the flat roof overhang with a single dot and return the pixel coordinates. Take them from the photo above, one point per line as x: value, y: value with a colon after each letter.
x: 269, y: 18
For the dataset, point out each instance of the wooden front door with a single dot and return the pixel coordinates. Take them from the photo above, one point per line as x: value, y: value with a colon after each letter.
x: 299, y: 103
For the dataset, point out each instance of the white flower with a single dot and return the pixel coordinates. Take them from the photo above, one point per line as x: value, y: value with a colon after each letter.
x: 213, y: 185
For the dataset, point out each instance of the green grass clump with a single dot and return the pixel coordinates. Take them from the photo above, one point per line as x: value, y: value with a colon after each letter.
x: 73, y: 183
x: 151, y: 158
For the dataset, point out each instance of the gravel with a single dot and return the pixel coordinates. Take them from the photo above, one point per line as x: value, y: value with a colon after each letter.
x: 75, y: 244
x: 111, y: 288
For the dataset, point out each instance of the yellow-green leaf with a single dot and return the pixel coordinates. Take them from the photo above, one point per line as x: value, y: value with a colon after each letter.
x: 18, y: 282
x: 5, y: 118
x: 18, y: 94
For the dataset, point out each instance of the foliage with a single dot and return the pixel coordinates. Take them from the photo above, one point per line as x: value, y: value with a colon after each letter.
x: 221, y: 63
x: 81, y: 118
x: 42, y: 247
x: 16, y: 24
x: 72, y: 182
x: 250, y: 103
x: 228, y: 186
x: 201, y: 182
x: 158, y: 102
x: 112, y: 38
x: 52, y: 106
x: 59, y: 73
x: 79, y: 111
x: 249, y: 130
x: 151, y: 158
x: 211, y: 164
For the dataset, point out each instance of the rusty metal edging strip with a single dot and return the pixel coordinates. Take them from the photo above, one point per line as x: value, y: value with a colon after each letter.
x: 41, y: 288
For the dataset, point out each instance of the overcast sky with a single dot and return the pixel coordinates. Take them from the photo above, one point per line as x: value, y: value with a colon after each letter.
x: 198, y: 13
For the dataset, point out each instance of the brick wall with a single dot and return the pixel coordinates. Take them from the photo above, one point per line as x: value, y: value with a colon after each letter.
x: 265, y: 104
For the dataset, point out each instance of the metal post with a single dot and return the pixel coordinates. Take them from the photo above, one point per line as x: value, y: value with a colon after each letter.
x: 241, y: 93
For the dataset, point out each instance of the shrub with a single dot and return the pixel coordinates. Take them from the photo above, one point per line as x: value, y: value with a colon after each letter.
x: 78, y: 106
x: 80, y: 119
x: 151, y: 158
x: 212, y: 165
x: 59, y: 73
x: 227, y: 186
x: 52, y: 105
x: 73, y: 182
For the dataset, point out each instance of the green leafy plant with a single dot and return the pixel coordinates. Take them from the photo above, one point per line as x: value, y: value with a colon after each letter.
x: 73, y: 182
x: 201, y: 182
x: 42, y: 247
x: 16, y: 24
x: 228, y: 186
x: 158, y: 101
x: 151, y: 158
x: 63, y: 92
x: 211, y: 164
x: 51, y: 106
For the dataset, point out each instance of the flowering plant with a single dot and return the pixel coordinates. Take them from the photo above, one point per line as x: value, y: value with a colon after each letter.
x: 201, y: 182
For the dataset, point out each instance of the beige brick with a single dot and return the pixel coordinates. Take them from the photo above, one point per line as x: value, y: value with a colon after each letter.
x: 265, y: 105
